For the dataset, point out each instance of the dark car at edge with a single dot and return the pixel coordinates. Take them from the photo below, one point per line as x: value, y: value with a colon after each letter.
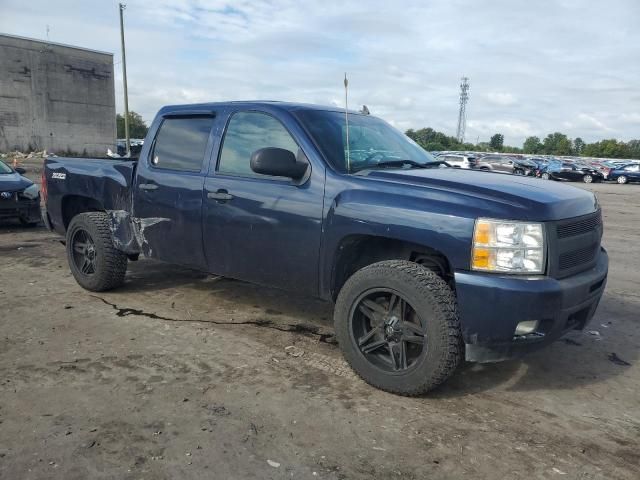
x: 572, y: 172
x: 625, y: 174
x: 19, y: 196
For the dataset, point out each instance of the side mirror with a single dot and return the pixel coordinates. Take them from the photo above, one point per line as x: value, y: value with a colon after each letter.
x: 20, y: 170
x: 277, y: 162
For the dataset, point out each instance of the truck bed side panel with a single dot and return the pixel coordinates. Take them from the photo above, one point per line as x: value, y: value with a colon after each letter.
x: 105, y: 182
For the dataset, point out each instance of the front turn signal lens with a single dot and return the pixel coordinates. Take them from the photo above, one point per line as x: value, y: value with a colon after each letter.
x: 482, y: 234
x: 481, y: 258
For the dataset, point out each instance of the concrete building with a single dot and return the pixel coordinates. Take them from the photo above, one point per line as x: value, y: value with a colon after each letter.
x: 55, y: 97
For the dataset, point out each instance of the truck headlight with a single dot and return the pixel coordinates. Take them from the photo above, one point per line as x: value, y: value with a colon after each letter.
x: 508, y: 247
x: 31, y: 192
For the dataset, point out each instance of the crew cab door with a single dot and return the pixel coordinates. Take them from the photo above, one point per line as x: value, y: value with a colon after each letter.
x: 167, y: 199
x: 260, y: 228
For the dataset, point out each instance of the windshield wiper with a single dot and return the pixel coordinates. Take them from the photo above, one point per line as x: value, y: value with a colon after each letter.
x: 400, y: 164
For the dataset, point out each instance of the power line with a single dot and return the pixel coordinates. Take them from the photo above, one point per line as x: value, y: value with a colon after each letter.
x: 462, y: 115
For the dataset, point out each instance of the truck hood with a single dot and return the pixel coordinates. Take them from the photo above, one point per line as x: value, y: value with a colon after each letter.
x: 509, y: 196
x: 13, y: 182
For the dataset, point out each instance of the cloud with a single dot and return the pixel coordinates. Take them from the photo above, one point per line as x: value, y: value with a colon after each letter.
x: 504, y: 99
x: 511, y: 129
x: 586, y: 122
x: 567, y: 68
x: 633, y: 117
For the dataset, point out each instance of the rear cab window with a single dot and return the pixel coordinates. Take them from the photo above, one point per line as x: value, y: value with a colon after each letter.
x: 181, y: 143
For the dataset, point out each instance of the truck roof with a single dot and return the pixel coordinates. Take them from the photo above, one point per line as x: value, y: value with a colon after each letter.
x: 272, y: 104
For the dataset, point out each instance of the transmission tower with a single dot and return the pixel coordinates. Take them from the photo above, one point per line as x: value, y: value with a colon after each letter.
x: 462, y: 115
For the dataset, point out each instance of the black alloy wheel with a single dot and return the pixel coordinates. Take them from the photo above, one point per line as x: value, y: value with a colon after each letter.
x: 397, y: 326
x: 387, y: 330
x: 84, y: 252
x: 95, y: 262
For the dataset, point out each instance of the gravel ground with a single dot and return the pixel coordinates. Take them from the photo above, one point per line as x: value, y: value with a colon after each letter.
x: 182, y: 375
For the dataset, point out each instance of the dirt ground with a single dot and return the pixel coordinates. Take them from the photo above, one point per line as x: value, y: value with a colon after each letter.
x: 186, y: 376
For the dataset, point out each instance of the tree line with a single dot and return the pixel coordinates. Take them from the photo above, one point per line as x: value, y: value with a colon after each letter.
x: 556, y: 143
x: 137, y: 126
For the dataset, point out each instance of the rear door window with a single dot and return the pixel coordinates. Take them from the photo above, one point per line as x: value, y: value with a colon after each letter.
x: 181, y: 143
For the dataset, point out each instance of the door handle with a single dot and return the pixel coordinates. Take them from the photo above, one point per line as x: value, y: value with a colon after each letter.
x: 148, y: 186
x: 220, y: 196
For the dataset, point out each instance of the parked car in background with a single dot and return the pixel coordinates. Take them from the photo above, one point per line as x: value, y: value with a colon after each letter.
x: 19, y: 196
x: 135, y: 144
x: 458, y: 161
x: 504, y: 164
x: 573, y: 172
x: 603, y: 166
x: 542, y: 164
x: 627, y: 173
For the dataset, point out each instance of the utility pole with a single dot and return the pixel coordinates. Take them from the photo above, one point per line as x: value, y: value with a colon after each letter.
x: 124, y: 81
x: 462, y: 115
x: 346, y: 119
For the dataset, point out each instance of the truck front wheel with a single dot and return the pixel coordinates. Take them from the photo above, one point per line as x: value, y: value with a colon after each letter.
x: 94, y: 261
x: 397, y: 326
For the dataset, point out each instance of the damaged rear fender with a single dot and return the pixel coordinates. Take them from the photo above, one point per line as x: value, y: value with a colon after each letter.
x: 128, y: 232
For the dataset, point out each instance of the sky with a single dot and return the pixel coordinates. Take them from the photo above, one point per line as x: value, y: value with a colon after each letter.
x: 534, y: 67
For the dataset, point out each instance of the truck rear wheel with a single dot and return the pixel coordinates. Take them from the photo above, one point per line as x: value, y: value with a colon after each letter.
x: 397, y: 326
x: 94, y: 262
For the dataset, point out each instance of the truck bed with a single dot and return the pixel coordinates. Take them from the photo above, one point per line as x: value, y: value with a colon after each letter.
x: 105, y: 182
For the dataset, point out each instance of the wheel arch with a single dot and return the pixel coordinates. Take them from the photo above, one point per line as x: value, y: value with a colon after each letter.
x: 357, y: 251
x: 73, y: 205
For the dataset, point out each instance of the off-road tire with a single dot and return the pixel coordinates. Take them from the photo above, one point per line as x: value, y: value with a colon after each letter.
x: 622, y: 179
x: 432, y: 298
x: 111, y: 263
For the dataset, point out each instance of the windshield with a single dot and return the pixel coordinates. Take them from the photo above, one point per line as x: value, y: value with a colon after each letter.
x: 372, y: 142
x: 4, y: 169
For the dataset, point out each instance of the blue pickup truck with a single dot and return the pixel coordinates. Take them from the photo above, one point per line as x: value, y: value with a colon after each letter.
x: 427, y: 265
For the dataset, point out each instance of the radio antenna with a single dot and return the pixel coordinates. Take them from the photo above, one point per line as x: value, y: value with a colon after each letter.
x: 346, y: 118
